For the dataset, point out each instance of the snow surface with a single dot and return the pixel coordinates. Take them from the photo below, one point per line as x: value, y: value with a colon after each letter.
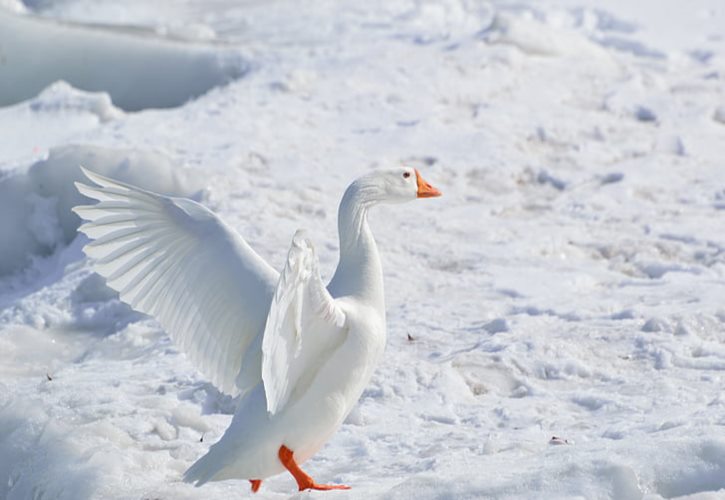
x: 137, y: 71
x: 556, y: 319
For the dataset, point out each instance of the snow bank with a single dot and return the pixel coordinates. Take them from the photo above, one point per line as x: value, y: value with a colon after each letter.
x: 138, y: 71
x: 35, y: 202
x: 56, y: 116
x: 13, y: 6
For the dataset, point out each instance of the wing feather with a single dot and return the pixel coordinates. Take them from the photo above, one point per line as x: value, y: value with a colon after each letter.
x: 297, y: 339
x: 175, y: 260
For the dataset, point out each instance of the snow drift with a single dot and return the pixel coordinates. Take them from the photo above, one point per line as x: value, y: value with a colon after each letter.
x: 35, y: 202
x: 138, y: 70
x: 59, y: 114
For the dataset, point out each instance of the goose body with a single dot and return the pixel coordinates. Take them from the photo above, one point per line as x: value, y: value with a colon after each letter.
x: 249, y: 448
x: 298, y: 353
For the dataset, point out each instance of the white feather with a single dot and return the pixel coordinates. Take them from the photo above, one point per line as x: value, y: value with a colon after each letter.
x: 175, y: 260
x: 304, y: 321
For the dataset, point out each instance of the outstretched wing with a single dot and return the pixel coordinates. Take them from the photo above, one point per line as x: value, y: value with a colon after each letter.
x: 174, y: 259
x: 304, y: 326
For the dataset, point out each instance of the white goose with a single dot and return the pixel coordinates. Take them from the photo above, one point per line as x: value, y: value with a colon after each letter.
x: 298, y: 353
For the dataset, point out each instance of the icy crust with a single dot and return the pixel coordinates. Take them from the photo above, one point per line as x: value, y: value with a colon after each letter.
x: 138, y: 71
x: 35, y: 202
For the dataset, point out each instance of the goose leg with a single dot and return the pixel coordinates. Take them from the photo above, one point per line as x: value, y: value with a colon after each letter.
x: 304, y: 481
x: 256, y: 483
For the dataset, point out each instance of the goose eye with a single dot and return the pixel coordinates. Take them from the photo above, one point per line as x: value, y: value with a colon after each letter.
x: 406, y: 175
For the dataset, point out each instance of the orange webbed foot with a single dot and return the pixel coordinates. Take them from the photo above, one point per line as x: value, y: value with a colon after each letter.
x: 256, y: 483
x: 325, y: 487
x: 305, y: 482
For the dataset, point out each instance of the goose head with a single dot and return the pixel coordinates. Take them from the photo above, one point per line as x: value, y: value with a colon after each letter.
x: 396, y: 185
x: 359, y: 272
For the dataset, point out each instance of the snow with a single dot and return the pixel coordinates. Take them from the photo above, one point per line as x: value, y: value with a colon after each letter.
x: 568, y: 284
x: 36, y: 202
x: 137, y: 71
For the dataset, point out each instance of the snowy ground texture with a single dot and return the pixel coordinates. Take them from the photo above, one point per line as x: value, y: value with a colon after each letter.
x: 570, y: 282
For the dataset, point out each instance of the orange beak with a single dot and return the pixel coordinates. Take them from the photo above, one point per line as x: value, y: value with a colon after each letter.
x: 425, y: 190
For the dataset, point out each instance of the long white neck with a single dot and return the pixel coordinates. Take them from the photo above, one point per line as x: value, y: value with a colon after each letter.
x: 359, y: 273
